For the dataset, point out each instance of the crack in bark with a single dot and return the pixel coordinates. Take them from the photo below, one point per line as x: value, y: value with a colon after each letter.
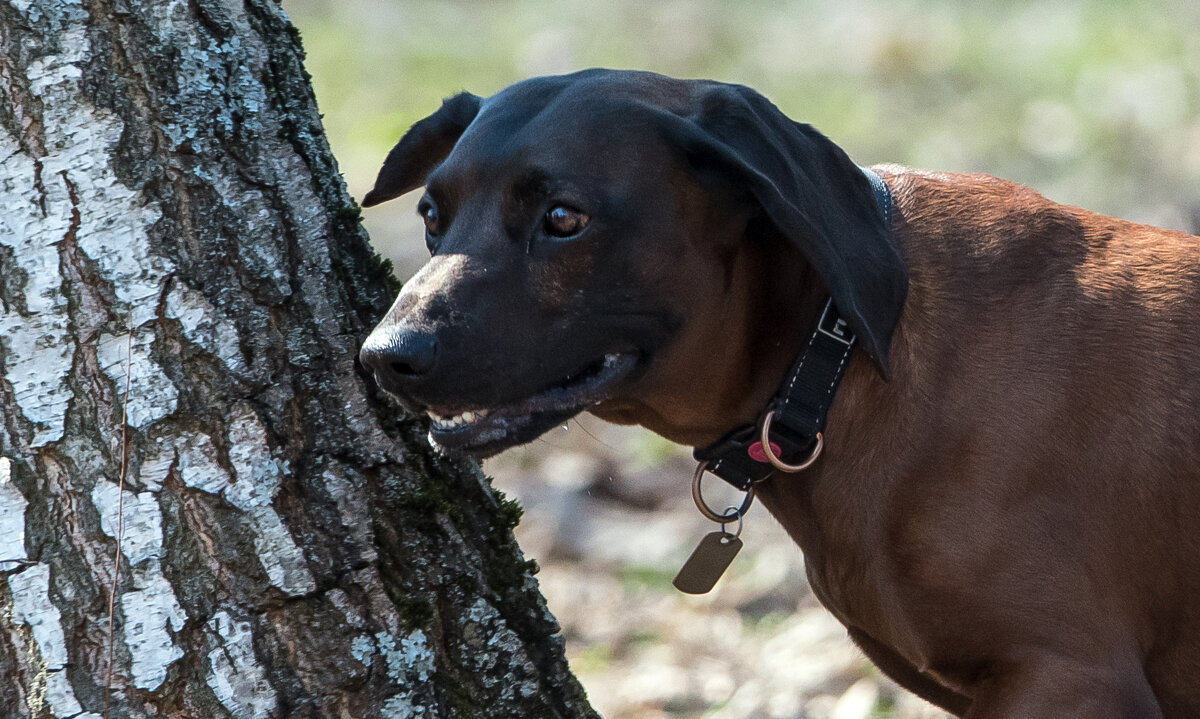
x: 21, y: 566
x: 38, y: 185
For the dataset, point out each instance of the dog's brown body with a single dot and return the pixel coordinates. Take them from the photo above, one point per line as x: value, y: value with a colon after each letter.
x: 1009, y: 525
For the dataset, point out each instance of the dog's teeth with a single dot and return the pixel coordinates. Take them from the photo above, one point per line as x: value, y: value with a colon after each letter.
x: 458, y: 419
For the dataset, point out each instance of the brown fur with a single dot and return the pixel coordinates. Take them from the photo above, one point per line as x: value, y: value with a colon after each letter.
x: 1018, y: 508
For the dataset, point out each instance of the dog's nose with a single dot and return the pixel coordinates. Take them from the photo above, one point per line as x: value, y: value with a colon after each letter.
x: 399, y: 354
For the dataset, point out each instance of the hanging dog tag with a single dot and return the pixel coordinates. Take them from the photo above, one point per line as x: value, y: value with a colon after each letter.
x: 708, y: 562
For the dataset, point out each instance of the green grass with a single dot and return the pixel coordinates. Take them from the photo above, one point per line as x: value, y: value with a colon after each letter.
x: 639, y: 577
x: 592, y: 659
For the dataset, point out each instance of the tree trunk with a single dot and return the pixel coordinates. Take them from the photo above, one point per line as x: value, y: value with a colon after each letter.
x: 170, y: 216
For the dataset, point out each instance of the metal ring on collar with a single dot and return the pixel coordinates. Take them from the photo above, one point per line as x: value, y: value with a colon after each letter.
x: 706, y: 510
x: 775, y: 460
x: 738, y: 511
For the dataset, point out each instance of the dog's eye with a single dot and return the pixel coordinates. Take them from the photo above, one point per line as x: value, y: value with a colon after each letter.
x: 429, y: 213
x: 563, y: 221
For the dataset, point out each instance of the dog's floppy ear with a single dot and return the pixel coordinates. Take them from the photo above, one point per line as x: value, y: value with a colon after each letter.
x: 813, y: 193
x: 426, y: 144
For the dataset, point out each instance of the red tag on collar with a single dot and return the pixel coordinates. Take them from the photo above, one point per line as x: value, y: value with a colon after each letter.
x: 758, y: 455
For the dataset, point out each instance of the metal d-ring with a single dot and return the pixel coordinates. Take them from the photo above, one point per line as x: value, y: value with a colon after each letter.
x: 775, y: 460
x: 731, y: 514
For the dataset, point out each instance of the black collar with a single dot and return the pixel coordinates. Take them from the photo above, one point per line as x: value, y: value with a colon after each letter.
x: 796, y: 414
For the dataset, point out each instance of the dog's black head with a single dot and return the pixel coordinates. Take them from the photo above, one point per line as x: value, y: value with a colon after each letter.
x: 581, y: 229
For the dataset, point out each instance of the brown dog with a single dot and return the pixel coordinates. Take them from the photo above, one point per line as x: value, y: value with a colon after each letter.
x: 1006, y: 513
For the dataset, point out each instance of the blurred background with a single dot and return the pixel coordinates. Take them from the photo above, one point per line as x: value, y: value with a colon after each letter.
x: 1095, y: 104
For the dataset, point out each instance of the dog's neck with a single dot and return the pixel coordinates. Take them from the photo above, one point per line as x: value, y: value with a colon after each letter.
x: 730, y: 371
x: 726, y: 375
x: 781, y: 320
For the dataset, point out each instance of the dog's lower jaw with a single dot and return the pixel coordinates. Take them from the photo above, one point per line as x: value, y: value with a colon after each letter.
x: 491, y: 435
x: 482, y: 432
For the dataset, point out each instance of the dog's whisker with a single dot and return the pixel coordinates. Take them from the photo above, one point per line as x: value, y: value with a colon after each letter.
x: 585, y: 430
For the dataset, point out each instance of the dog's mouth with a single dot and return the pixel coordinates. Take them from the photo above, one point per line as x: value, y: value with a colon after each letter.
x: 484, y: 431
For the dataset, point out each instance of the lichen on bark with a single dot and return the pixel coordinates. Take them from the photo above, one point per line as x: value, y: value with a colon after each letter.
x: 170, y: 215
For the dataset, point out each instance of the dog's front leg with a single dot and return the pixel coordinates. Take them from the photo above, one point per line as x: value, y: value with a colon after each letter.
x: 1062, y: 688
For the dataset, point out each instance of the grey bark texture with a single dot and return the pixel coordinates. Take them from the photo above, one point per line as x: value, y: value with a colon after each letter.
x: 170, y: 214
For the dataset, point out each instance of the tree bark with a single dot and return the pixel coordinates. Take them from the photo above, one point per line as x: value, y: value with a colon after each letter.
x: 170, y: 215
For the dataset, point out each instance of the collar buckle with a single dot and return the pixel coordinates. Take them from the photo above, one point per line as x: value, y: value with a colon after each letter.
x: 834, y: 327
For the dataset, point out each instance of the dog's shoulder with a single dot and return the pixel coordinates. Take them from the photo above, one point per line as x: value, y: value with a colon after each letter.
x: 982, y: 237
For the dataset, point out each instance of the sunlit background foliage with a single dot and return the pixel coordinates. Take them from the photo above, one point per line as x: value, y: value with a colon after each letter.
x: 1092, y: 103
x: 1095, y: 104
